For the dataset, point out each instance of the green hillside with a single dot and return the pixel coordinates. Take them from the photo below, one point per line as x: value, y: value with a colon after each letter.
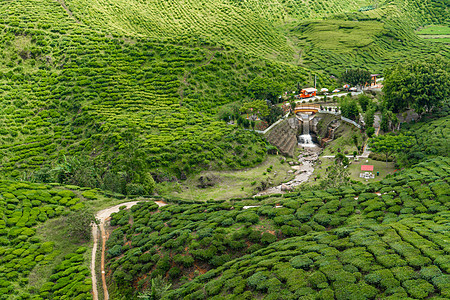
x: 269, y: 29
x: 68, y: 91
x: 27, y: 256
x: 105, y: 101
x: 76, y: 75
x: 387, y: 240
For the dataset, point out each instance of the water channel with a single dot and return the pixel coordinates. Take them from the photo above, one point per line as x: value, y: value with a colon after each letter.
x: 305, y: 140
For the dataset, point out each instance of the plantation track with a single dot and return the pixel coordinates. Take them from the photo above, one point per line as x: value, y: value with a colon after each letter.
x: 102, y: 216
x: 69, y: 12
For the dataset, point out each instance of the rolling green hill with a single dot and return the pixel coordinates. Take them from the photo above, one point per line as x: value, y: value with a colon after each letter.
x: 115, y: 94
x: 269, y: 28
x: 382, y: 240
x: 68, y: 91
x: 76, y: 75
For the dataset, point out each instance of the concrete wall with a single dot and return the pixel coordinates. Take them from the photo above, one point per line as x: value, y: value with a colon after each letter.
x: 284, y: 136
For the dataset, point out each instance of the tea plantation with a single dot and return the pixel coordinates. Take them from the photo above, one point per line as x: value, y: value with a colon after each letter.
x: 107, y: 97
x: 76, y: 75
x: 387, y: 240
x: 68, y: 90
x: 24, y: 207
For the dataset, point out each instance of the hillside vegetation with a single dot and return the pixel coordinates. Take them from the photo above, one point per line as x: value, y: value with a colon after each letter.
x: 269, y: 29
x: 78, y: 77
x: 25, y: 208
x: 68, y: 91
x: 383, y: 240
x: 107, y: 97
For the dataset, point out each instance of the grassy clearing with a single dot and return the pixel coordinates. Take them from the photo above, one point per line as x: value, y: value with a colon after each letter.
x: 54, y: 230
x: 434, y: 30
x: 378, y: 166
x: 355, y: 169
x: 435, y: 33
x: 230, y: 184
x: 441, y: 39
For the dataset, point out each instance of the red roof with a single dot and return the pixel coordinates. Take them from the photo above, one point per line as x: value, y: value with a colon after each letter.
x: 366, y: 168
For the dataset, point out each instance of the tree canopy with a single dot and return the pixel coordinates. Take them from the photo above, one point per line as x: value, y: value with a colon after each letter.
x: 356, y: 77
x: 419, y: 85
x: 389, y: 144
x: 349, y: 108
x: 257, y: 107
x: 264, y: 88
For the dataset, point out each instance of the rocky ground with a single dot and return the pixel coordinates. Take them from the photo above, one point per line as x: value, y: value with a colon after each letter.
x: 302, y: 168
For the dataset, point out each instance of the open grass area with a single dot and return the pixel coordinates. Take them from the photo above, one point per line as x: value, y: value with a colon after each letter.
x: 55, y: 230
x: 435, y: 33
x: 434, y: 30
x: 355, y: 169
x: 230, y: 184
x: 378, y: 166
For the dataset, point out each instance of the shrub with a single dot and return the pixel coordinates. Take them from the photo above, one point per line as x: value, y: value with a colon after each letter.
x: 268, y: 238
x: 430, y: 272
x: 174, y: 272
x: 257, y: 281
x: 301, y: 262
x: 115, y: 251
x: 418, y: 288
x: 245, y: 217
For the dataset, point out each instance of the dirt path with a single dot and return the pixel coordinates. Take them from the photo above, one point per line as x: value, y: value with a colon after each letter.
x: 69, y: 12
x: 102, y: 216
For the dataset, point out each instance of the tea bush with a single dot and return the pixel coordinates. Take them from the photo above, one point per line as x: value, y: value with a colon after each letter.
x: 402, y: 254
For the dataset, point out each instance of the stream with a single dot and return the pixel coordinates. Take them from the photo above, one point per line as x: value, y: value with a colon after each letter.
x: 303, y: 167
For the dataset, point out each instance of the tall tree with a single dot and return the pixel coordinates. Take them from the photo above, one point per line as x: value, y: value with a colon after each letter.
x: 349, y: 108
x: 421, y: 85
x: 364, y: 101
x: 264, y: 88
x: 369, y: 117
x: 356, y: 77
x: 390, y: 144
x: 257, y: 107
x: 337, y: 173
x: 275, y: 113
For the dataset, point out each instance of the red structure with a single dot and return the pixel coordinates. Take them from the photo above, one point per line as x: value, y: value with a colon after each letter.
x: 373, y: 80
x: 308, y: 92
x: 367, y: 168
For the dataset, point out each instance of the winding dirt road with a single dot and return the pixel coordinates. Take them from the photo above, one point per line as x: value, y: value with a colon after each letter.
x: 102, y: 216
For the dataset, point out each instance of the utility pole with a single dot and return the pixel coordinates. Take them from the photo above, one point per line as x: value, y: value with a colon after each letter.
x: 315, y: 79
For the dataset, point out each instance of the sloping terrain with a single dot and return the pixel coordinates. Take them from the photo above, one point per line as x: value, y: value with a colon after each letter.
x: 384, y: 34
x: 388, y: 239
x: 25, y: 208
x: 67, y: 91
x: 101, y: 77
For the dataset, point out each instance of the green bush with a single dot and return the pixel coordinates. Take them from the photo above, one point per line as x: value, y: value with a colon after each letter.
x: 301, y: 262
x: 268, y: 238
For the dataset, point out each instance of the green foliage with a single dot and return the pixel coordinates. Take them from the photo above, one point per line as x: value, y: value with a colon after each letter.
x: 356, y: 77
x: 23, y: 207
x: 257, y: 107
x: 419, y: 85
x: 69, y: 278
x: 389, y: 144
x: 349, y: 108
x: 79, y: 224
x: 263, y: 88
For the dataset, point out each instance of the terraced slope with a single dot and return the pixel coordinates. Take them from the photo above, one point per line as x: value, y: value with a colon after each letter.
x: 67, y: 91
x: 249, y: 25
x: 262, y: 27
x: 388, y: 239
x: 26, y: 257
